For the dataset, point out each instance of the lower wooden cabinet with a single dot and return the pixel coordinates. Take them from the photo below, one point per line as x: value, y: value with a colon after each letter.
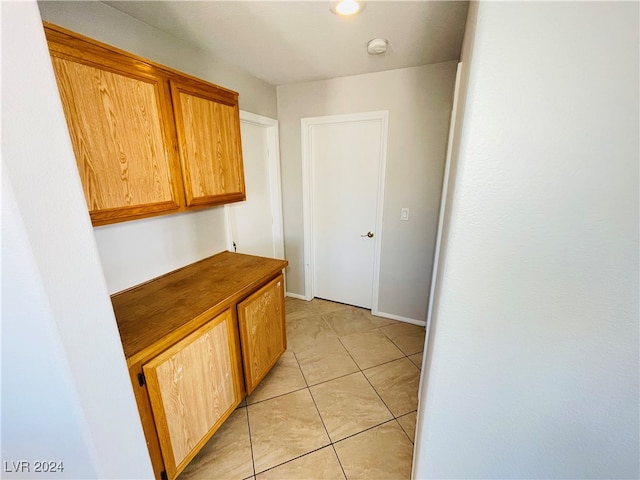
x: 262, y: 331
x: 197, y: 341
x: 193, y: 387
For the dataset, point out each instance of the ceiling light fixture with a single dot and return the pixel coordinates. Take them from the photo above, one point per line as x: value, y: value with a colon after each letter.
x: 347, y: 7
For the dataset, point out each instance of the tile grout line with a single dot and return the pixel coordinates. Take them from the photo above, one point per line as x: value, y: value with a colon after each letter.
x: 279, y: 395
x: 253, y: 461
x: 350, y: 356
x: 295, y: 458
x: 405, y: 432
x: 397, y: 346
x: 300, y: 368
x: 333, y: 446
x: 378, y: 394
x: 332, y: 379
x: 318, y: 314
x: 367, y: 429
x: 320, y: 415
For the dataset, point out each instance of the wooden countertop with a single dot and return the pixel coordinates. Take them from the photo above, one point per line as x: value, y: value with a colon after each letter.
x: 177, y: 303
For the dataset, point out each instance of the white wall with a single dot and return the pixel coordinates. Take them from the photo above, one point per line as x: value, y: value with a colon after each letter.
x: 66, y: 394
x: 133, y: 252
x: 419, y: 101
x: 532, y: 367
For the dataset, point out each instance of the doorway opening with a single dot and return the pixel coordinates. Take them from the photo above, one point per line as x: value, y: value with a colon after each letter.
x: 255, y: 226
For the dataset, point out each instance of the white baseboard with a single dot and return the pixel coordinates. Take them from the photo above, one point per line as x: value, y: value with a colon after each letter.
x: 413, y: 321
x: 295, y: 295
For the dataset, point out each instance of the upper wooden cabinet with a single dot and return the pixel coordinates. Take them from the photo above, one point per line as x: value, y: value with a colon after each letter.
x: 148, y: 140
x: 209, y: 134
x: 121, y: 138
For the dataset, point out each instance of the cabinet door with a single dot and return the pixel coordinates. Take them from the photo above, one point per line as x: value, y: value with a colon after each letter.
x: 208, y: 127
x: 121, y: 137
x: 262, y: 331
x: 193, y: 387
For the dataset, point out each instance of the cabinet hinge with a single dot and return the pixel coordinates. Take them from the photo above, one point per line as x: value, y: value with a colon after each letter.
x: 163, y: 475
x: 141, y: 380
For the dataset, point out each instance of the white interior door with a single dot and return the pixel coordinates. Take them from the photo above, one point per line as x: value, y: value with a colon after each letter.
x: 255, y: 225
x: 345, y: 168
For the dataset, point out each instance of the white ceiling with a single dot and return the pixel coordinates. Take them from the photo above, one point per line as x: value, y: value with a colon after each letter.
x: 285, y: 42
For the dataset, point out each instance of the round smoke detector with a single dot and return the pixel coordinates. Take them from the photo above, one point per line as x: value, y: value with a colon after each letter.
x: 377, y: 46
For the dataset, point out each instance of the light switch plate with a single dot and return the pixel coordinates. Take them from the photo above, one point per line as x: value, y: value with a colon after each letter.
x: 404, y: 214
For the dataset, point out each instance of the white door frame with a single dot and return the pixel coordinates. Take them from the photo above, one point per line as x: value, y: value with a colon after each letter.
x: 273, y: 145
x: 307, y: 125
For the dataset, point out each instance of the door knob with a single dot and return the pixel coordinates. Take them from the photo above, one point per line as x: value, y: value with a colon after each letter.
x: 369, y: 234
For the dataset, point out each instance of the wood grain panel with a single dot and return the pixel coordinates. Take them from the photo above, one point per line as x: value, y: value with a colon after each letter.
x: 147, y: 420
x: 156, y: 314
x: 208, y: 128
x: 262, y: 331
x: 193, y: 387
x: 118, y: 137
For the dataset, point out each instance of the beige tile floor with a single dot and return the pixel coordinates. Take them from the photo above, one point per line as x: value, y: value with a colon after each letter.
x: 339, y: 404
